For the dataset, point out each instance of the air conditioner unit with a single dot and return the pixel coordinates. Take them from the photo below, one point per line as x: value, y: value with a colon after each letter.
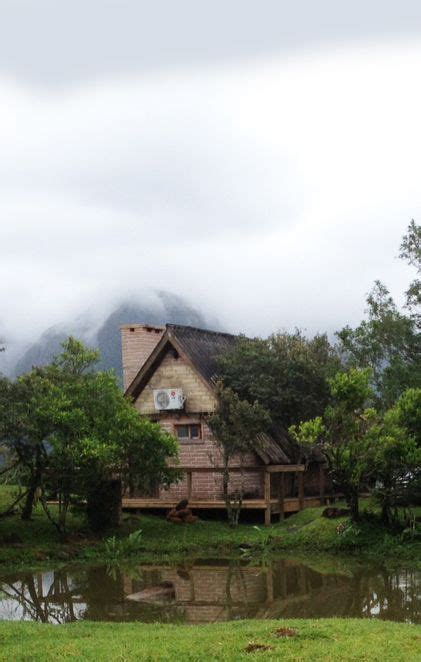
x: 168, y: 398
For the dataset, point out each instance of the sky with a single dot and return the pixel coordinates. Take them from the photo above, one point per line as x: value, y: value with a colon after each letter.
x: 260, y: 159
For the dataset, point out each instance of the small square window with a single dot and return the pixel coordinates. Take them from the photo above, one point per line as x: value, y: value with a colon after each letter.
x: 189, y: 431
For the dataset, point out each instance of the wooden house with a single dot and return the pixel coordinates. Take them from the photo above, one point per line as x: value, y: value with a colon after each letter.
x: 170, y: 372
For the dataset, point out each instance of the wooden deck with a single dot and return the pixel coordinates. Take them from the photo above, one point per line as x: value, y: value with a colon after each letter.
x: 290, y: 505
x: 268, y: 504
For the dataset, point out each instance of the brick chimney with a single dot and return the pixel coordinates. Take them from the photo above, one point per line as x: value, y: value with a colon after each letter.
x: 137, y: 343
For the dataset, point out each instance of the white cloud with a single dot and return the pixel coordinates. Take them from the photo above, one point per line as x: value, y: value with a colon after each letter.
x: 272, y: 192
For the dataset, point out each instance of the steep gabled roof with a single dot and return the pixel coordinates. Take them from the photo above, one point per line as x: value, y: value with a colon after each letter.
x: 200, y: 347
x: 203, y: 347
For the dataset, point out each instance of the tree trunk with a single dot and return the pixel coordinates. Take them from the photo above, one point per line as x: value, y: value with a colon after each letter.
x: 233, y: 503
x: 225, y: 483
x: 29, y: 503
x: 104, y: 505
x: 35, y: 484
x: 387, y: 502
x: 354, y: 506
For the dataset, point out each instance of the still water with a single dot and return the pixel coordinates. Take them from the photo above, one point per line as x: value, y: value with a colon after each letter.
x: 209, y: 591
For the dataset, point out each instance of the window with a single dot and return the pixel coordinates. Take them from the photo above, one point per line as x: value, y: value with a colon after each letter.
x: 191, y: 431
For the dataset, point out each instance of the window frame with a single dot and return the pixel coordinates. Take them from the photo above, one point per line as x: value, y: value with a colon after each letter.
x: 189, y: 439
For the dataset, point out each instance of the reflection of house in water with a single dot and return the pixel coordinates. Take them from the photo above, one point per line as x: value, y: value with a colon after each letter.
x: 206, y: 593
x: 209, y: 591
x: 218, y: 592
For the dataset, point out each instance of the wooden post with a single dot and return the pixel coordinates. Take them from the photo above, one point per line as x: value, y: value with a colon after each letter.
x: 322, y: 484
x: 268, y: 509
x: 189, y: 484
x: 269, y: 585
x: 300, y: 491
x: 281, y: 496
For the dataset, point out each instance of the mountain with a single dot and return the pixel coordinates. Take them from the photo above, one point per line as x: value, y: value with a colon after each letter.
x: 105, y: 335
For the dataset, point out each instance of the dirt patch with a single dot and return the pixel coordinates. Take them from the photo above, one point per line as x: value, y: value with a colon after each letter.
x: 332, y: 513
x: 254, y: 647
x: 286, y: 632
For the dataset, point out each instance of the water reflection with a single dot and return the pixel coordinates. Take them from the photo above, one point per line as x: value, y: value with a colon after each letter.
x: 209, y: 591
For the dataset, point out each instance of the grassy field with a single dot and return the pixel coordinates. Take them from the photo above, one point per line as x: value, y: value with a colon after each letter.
x: 35, y: 543
x: 331, y: 639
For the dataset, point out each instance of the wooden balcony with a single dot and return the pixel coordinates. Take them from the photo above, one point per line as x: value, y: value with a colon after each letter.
x: 269, y: 504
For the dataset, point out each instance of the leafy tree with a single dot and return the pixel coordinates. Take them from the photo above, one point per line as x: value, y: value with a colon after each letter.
x: 98, y: 436
x: 236, y: 425
x: 8, y: 423
x: 363, y: 445
x: 24, y: 427
x: 402, y: 482
x: 396, y: 459
x: 388, y: 341
x: 344, y: 433
x: 286, y: 373
x: 410, y: 250
x: 74, y: 432
x: 409, y: 412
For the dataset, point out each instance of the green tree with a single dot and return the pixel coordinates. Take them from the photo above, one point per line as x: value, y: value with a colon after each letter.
x: 236, y: 425
x: 72, y: 430
x: 398, y: 455
x: 410, y: 250
x: 389, y: 341
x: 396, y: 460
x: 344, y: 433
x: 98, y: 436
x: 409, y: 412
x: 24, y: 429
x: 363, y: 445
x: 286, y: 373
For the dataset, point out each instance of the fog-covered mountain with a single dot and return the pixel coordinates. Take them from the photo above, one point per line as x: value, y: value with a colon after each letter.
x: 104, y: 333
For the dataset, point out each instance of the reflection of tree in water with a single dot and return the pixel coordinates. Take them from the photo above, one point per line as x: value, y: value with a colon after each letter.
x: 368, y: 593
x: 388, y: 595
x: 231, y: 608
x: 31, y: 602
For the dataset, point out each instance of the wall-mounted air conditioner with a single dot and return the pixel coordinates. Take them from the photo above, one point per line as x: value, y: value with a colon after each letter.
x: 168, y: 398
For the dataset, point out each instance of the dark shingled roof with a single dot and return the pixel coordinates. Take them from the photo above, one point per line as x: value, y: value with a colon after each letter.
x: 203, y: 347
x: 279, y: 451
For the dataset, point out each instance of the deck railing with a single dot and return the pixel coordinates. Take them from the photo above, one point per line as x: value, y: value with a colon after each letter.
x: 280, y: 504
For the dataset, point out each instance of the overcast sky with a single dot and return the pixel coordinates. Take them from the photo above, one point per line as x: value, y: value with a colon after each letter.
x: 259, y: 158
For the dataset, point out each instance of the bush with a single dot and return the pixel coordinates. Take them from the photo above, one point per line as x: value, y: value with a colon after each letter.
x: 118, y: 548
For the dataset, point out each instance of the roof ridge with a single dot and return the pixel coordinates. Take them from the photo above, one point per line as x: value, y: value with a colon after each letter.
x: 196, y: 328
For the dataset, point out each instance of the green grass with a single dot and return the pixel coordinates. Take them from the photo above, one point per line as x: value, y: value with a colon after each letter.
x: 35, y: 543
x: 330, y: 639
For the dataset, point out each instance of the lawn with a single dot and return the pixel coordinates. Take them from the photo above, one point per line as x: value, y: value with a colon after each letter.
x: 36, y: 543
x: 330, y: 639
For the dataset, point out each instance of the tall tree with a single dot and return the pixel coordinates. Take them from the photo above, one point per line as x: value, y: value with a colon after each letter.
x: 364, y: 445
x: 389, y: 340
x: 410, y: 250
x: 286, y: 373
x: 389, y: 343
x: 72, y: 430
x: 25, y: 428
x: 236, y: 425
x: 343, y: 433
x: 395, y: 444
x: 98, y: 437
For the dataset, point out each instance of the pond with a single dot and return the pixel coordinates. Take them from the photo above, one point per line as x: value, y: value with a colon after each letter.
x: 208, y: 591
